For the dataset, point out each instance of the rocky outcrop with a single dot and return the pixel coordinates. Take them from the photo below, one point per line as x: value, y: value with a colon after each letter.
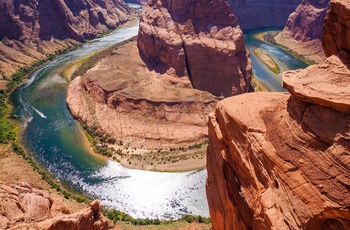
x: 281, y: 161
x: 24, y: 207
x: 306, y: 23
x: 31, y: 29
x: 201, y: 40
x: 336, y: 34
x: 144, y: 111
x: 257, y: 14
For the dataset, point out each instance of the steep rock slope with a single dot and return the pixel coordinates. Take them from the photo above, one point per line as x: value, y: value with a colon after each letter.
x: 198, y: 39
x: 31, y: 29
x: 257, y: 14
x: 281, y: 161
x: 304, y: 27
x: 24, y: 207
x: 336, y: 34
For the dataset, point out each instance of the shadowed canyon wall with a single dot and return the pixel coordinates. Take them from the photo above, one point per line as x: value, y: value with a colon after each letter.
x: 279, y: 160
x: 255, y: 14
x: 197, y: 39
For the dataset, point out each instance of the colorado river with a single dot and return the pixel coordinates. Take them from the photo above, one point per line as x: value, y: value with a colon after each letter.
x: 284, y: 60
x: 55, y: 139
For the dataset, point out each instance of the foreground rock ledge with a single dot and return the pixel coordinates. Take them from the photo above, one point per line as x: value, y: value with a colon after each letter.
x: 276, y: 162
x: 24, y: 207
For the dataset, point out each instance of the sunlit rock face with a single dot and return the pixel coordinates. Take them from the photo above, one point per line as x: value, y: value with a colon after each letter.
x: 257, y: 14
x: 24, y: 207
x: 281, y: 160
x: 197, y: 39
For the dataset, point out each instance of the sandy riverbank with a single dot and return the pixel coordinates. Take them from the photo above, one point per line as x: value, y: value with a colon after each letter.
x: 267, y: 60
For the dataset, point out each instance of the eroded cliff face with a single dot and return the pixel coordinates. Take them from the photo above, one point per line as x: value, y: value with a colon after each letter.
x: 304, y: 27
x: 201, y: 40
x: 31, y: 29
x: 279, y: 160
x: 24, y: 207
x: 336, y: 34
x: 257, y: 14
x: 306, y: 23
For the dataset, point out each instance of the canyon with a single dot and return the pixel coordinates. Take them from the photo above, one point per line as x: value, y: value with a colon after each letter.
x: 281, y: 160
x: 185, y: 60
x: 32, y: 29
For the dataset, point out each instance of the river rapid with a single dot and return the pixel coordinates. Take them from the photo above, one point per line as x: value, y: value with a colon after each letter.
x: 56, y: 140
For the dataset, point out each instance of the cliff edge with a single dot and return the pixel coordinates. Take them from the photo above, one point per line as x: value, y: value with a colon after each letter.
x: 279, y: 160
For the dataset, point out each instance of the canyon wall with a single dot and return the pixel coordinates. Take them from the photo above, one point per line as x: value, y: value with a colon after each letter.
x: 304, y: 27
x: 24, y: 207
x: 255, y: 14
x: 279, y: 160
x: 198, y: 40
x: 336, y: 34
x: 31, y: 29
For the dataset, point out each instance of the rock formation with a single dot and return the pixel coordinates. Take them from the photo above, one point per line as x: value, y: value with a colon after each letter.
x: 143, y: 110
x: 201, y: 40
x: 24, y: 207
x: 281, y: 161
x: 305, y: 26
x: 257, y: 14
x: 336, y: 34
x: 31, y: 29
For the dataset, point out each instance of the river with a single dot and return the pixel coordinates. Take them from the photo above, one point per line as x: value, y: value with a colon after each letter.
x: 55, y: 139
x: 284, y: 60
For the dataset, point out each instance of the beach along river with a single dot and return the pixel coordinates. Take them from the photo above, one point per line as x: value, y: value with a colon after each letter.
x: 283, y: 59
x: 56, y: 140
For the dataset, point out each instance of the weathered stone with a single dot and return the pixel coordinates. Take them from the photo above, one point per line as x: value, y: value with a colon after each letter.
x: 24, y: 207
x: 200, y: 40
x: 336, y: 35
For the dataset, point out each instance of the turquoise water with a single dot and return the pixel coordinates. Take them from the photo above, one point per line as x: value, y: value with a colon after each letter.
x: 55, y: 139
x: 282, y: 58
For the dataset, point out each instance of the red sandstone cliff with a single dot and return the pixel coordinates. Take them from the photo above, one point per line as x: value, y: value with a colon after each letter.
x: 24, y: 207
x: 305, y: 26
x: 198, y: 39
x: 336, y: 29
x: 257, y: 14
x: 281, y: 161
x: 31, y: 29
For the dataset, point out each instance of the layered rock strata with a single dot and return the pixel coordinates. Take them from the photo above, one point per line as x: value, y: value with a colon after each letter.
x: 281, y: 161
x: 303, y: 30
x: 143, y: 108
x: 31, y: 29
x: 24, y: 207
x: 255, y: 14
x: 336, y: 34
x: 200, y: 40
